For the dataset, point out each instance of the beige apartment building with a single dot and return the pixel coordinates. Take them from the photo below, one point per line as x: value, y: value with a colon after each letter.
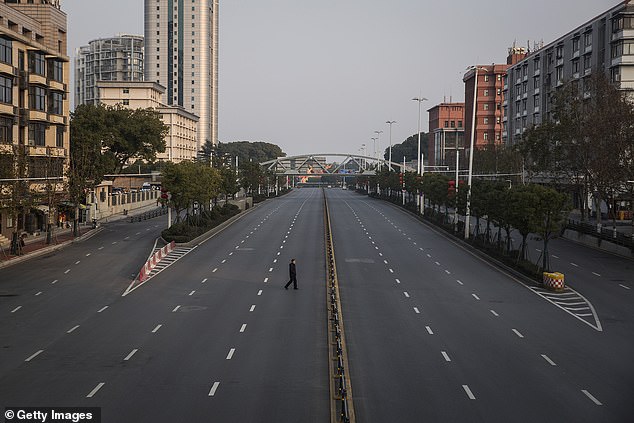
x: 182, y: 139
x: 34, y: 111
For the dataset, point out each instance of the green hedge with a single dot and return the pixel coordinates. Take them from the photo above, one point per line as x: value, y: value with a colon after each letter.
x: 197, y: 225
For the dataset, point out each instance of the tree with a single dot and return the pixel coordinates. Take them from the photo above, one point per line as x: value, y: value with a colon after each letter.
x: 550, y: 211
x: 522, y: 200
x: 257, y: 152
x: 408, y: 148
x: 251, y: 175
x: 228, y: 182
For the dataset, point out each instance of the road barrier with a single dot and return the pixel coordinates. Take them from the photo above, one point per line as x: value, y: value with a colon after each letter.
x: 148, y: 215
x: 154, y: 259
x: 342, y: 409
x: 554, y: 281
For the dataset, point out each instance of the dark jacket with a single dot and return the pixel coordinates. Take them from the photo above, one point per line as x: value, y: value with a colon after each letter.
x: 291, y: 270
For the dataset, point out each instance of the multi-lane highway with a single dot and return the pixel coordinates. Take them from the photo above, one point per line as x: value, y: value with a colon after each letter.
x: 434, y: 333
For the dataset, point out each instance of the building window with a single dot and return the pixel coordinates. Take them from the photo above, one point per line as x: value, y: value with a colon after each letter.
x: 446, y: 124
x: 486, y: 93
x: 6, y: 51
x: 485, y: 136
x: 453, y: 122
x: 485, y: 106
x: 37, y: 134
x: 37, y: 98
x: 486, y: 78
x: 575, y: 44
x: 485, y: 120
x: 6, y: 130
x: 126, y: 101
x: 56, y: 71
x: 57, y: 103
x: 587, y: 39
x: 587, y: 62
x: 459, y: 124
x: 6, y: 90
x: 59, y: 136
x: 37, y: 63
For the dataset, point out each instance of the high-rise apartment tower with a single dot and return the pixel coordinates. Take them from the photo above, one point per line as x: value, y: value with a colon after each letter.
x: 181, y: 53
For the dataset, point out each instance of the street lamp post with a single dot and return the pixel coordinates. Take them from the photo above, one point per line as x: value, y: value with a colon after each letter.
x: 374, y: 145
x: 418, y: 157
x: 390, y: 122
x: 378, y: 137
x: 473, y: 130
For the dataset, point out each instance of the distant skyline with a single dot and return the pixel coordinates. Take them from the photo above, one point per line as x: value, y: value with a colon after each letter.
x: 316, y: 77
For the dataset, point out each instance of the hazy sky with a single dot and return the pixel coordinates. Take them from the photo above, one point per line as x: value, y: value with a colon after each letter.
x: 322, y: 76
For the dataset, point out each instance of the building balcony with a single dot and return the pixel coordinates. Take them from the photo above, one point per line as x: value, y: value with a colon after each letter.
x: 536, y: 91
x: 504, y: 119
x: 37, y: 115
x: 588, y: 49
x: 8, y: 109
x: 7, y: 69
x: 560, y: 82
x: 525, y: 78
x: 504, y: 134
x: 560, y: 61
x: 519, y: 97
x: 525, y: 95
x: 525, y: 112
x: 56, y: 85
x: 586, y: 94
x: 575, y: 75
x: 517, y: 131
x: 505, y: 87
x: 587, y: 72
x: 518, y: 115
x: 575, y: 54
x: 37, y: 79
x: 505, y: 103
x: 536, y: 109
x: 518, y: 81
x: 537, y: 72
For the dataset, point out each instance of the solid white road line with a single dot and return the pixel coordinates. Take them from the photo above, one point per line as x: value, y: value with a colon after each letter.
x: 494, y: 313
x: 176, y: 309
x: 252, y: 307
x: 243, y: 328
x: 16, y: 309
x: 475, y: 296
x: 156, y: 328
x: 94, y: 391
x: 406, y: 294
x: 596, y: 274
x: 468, y: 391
x: 129, y: 356
x: 102, y: 309
x: 31, y: 357
x: 545, y: 357
x: 429, y: 331
x: 192, y: 293
x: 204, y: 280
x: 444, y: 354
x: 416, y: 310
x: 38, y: 293
x: 589, y: 395
x: 230, y: 355
x: 624, y: 286
x: 54, y: 282
x: 72, y: 329
x: 260, y: 292
x: 518, y: 333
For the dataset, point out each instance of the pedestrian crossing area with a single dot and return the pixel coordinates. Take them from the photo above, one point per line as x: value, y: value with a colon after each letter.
x: 572, y: 303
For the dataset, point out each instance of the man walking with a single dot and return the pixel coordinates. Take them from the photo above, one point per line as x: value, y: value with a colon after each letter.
x: 293, y: 275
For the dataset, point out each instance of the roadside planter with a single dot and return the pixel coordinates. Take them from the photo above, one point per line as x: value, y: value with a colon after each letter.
x: 554, y: 281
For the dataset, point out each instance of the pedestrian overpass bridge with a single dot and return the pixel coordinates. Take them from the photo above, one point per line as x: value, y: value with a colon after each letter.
x: 339, y: 164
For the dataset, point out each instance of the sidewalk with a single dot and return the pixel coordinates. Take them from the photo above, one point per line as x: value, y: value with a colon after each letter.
x: 61, y: 237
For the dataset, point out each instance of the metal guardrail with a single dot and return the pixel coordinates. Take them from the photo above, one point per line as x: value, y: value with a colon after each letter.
x: 148, y: 215
x: 342, y: 407
x: 605, y: 234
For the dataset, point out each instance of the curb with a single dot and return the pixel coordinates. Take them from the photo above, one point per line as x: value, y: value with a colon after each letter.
x: 49, y: 249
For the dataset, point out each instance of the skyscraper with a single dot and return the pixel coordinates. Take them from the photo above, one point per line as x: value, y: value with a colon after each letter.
x: 181, y: 53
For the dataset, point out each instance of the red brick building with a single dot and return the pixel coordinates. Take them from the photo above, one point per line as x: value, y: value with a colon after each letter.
x: 446, y: 133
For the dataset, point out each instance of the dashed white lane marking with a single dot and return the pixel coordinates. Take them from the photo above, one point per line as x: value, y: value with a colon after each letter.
x: 592, y: 398
x: 447, y: 272
x: 459, y: 281
x: 518, y: 333
x: 156, y: 328
x: 437, y: 264
x: 624, y: 286
x: 129, y: 356
x: 385, y: 261
x: 66, y: 272
x: 380, y: 254
x: 16, y: 309
x: 38, y: 293
x: 215, y: 270
x: 204, y: 280
x: 54, y: 282
x: 545, y: 357
x: 494, y: 313
x: 114, y: 242
x: 231, y: 253
x: 100, y: 248
x: 176, y: 309
x: 87, y: 254
x: 224, y: 261
x: 574, y: 264
x: 416, y: 310
x: 391, y: 271
x: 71, y: 330
x: 102, y: 309
x: 243, y: 327
x: 192, y: 293
x: 127, y: 237
x: 429, y: 331
x: 468, y: 391
x: 444, y: 354
x: 398, y: 281
x: 266, y: 280
x: 428, y: 255
x: 554, y: 256
x: 596, y: 274
x: 475, y: 296
x: 278, y: 253
x: 138, y: 233
x: 260, y: 292
x: 230, y: 355
x: 32, y: 356
x: 270, y: 269
x: 94, y: 391
x: 406, y: 294
x: 252, y: 307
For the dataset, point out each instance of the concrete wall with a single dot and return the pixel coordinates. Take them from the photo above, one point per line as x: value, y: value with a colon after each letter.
x: 599, y: 243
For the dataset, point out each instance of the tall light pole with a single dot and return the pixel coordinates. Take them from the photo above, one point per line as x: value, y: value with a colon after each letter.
x: 473, y: 130
x: 374, y: 145
x: 418, y: 158
x: 390, y: 122
x: 378, y: 137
